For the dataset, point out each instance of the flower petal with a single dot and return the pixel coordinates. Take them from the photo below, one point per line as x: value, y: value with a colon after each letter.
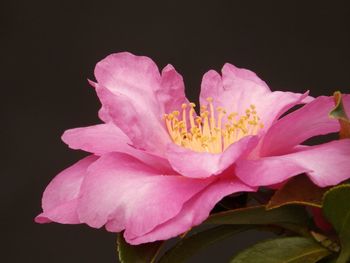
x: 66, y: 213
x: 281, y: 101
x: 127, y: 86
x: 326, y: 164
x: 97, y: 139
x: 171, y: 95
x: 140, y: 97
x: 59, y: 198
x: 105, y: 138
x: 244, y: 79
x: 194, y: 212
x: 136, y: 77
x: 124, y: 193
x: 213, y: 87
x: 234, y: 91
x: 145, y: 129
x: 238, y: 89
x: 203, y: 164
x: 103, y: 112
x: 310, y: 120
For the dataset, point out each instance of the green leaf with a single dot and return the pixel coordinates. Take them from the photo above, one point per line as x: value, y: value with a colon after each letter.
x: 188, y: 246
x: 283, y: 250
x: 336, y: 208
x: 300, y: 191
x: 144, y: 253
x: 258, y: 215
x: 339, y: 113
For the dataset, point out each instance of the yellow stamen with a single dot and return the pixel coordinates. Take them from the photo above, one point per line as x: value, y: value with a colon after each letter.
x: 209, y: 132
x: 184, y: 106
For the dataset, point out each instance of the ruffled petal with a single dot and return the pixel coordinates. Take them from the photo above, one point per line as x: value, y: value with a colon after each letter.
x: 326, y: 164
x: 213, y: 87
x: 171, y: 94
x: 310, y: 120
x: 123, y: 193
x: 65, y: 213
x: 194, y: 211
x: 105, y: 138
x: 282, y: 101
x: 59, y: 198
x: 203, y: 164
x: 145, y: 129
x: 246, y: 79
x: 238, y: 89
x: 127, y: 86
x: 234, y: 91
x: 103, y: 112
x: 136, y: 77
x: 97, y: 139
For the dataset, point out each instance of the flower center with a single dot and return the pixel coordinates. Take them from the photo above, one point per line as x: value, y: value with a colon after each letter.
x: 212, y: 131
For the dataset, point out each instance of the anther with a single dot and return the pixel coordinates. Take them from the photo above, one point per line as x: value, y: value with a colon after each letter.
x: 198, y: 119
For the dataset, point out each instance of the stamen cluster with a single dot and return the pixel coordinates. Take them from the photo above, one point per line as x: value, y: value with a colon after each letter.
x: 213, y: 131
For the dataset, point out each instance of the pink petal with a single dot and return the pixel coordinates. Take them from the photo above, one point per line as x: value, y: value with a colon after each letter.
x: 136, y: 77
x: 194, y: 212
x: 59, y: 198
x: 145, y: 129
x: 124, y: 193
x: 281, y: 101
x: 234, y: 91
x: 212, y: 86
x: 237, y: 89
x: 98, y: 139
x: 66, y: 213
x: 326, y: 164
x: 310, y: 120
x: 203, y: 164
x: 171, y: 95
x: 234, y: 77
x: 137, y: 85
x: 127, y: 86
x: 103, y: 112
x: 105, y: 138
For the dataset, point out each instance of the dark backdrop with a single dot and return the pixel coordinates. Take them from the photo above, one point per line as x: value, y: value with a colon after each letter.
x: 49, y: 49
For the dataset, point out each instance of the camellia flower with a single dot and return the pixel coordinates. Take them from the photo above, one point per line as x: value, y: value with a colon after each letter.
x: 158, y: 168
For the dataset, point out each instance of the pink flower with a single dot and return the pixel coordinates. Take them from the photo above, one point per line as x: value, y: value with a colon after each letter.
x: 157, y: 168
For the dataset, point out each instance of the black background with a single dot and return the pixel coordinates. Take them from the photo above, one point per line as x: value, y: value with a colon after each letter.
x: 49, y: 49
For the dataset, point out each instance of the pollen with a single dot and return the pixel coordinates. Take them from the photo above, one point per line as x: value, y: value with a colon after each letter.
x: 213, y: 130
